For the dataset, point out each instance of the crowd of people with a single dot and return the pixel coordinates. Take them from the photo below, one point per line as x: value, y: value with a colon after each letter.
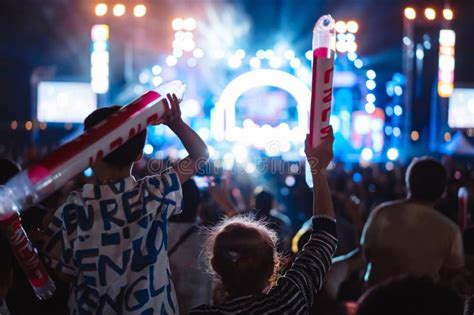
x: 366, y: 239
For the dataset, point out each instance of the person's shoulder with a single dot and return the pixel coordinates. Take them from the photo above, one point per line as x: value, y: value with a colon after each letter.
x: 444, y: 220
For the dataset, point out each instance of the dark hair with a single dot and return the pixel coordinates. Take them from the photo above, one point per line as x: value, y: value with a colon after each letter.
x: 191, y: 200
x: 264, y: 201
x: 410, y: 296
x: 468, y: 240
x: 426, y: 179
x: 127, y: 153
x: 243, y: 253
x: 8, y: 169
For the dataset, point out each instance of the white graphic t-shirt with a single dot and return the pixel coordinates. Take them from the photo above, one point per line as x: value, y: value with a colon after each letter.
x: 113, y: 239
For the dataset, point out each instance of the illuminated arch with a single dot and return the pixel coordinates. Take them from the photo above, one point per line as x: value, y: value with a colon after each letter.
x: 223, y: 124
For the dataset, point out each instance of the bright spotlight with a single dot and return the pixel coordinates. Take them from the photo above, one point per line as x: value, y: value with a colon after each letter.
x: 290, y: 181
x: 240, y: 53
x: 396, y: 132
x: 148, y: 149
x: 410, y: 13
x: 309, y: 55
x: 255, y: 62
x: 295, y: 63
x: 370, y: 108
x: 371, y: 75
x: 392, y: 154
x: 351, y: 47
x: 139, y: 10
x: 275, y: 62
x: 367, y: 154
x: 341, y: 46
x: 415, y: 135
x: 171, y: 61
x: 198, y: 53
x: 340, y: 27
x: 448, y: 14
x: 371, y: 84
x: 119, y: 9
x: 157, y: 81
x: 177, y: 24
x: 397, y: 110
x: 101, y: 9
x: 289, y: 54
x: 156, y: 69
x: 430, y: 14
x: 234, y: 62
x: 358, y: 63
x: 189, y: 24
x: 370, y: 98
x: 352, y: 26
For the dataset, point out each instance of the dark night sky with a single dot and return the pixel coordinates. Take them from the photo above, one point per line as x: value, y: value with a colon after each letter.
x: 56, y: 32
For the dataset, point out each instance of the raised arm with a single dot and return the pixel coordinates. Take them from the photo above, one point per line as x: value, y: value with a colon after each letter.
x: 305, y: 277
x: 319, y: 159
x: 195, y: 146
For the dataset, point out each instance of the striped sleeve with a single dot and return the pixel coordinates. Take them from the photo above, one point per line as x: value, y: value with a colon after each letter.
x: 295, y: 291
x: 305, y: 277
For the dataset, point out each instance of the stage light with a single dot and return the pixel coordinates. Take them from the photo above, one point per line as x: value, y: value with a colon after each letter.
x: 190, y: 24
x: 351, y: 47
x: 100, y: 58
x: 341, y: 46
x: 389, y: 166
x: 415, y: 135
x: 448, y: 14
x: 250, y: 168
x: 370, y: 84
x: 371, y: 74
x: 410, y: 13
x: 295, y: 63
x: 198, y: 53
x: 14, y: 125
x: 341, y: 37
x: 240, y: 53
x: 397, y: 110
x: 157, y: 81
x: 370, y: 98
x: 188, y: 44
x: 255, y: 62
x: 144, y: 77
x: 289, y: 54
x: 392, y: 154
x: 358, y: 63
x: 388, y: 130
x: 352, y: 56
x: 119, y: 9
x: 177, y: 24
x: 398, y: 90
x: 349, y: 37
x: 171, y: 61
x: 101, y: 9
x: 309, y: 55
x: 88, y: 172
x: 240, y: 153
x: 340, y: 27
x: 446, y: 62
x: 275, y: 62
x: 406, y: 41
x: 396, y: 132
x: 156, y: 69
x: 352, y: 27
x: 370, y: 108
x: 28, y: 125
x: 420, y: 53
x: 430, y: 14
x: 447, y: 136
x: 269, y: 54
x: 139, y: 10
x: 234, y: 62
x: 148, y: 149
x: 260, y: 54
x: 290, y: 181
x: 178, y: 52
x: 367, y: 154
